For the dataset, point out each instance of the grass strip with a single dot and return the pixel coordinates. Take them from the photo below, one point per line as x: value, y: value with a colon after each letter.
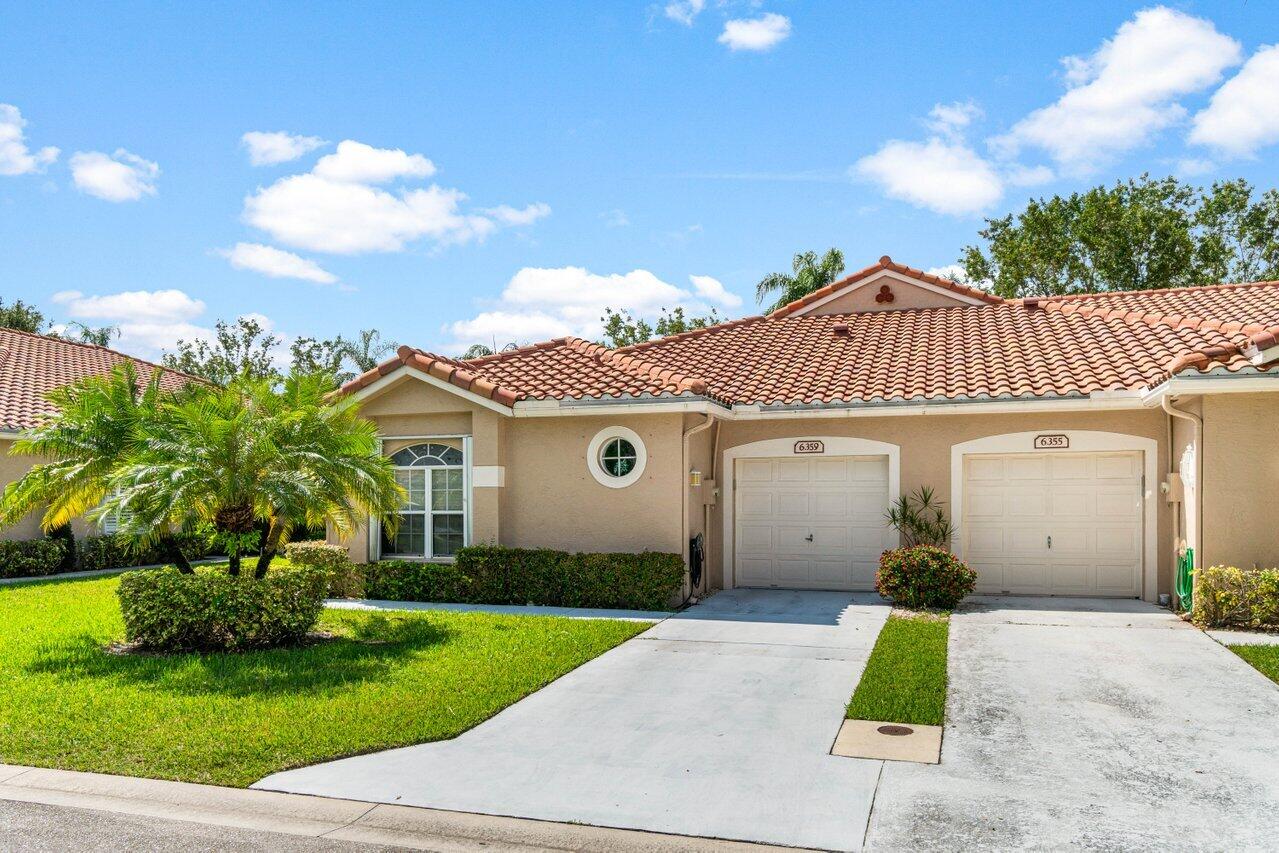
x: 905, y: 678
x: 1265, y: 659
x: 383, y: 680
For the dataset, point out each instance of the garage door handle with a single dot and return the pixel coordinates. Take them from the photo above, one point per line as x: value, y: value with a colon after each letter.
x: 808, y: 538
x: 1050, y: 543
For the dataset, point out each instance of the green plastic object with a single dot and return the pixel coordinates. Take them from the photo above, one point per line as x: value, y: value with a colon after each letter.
x: 1186, y: 579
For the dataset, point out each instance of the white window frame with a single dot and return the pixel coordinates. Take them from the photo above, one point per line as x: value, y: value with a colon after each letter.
x: 596, y: 448
x: 375, y: 527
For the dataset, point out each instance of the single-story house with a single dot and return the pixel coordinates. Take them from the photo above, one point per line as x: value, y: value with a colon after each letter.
x: 30, y: 367
x: 1080, y: 442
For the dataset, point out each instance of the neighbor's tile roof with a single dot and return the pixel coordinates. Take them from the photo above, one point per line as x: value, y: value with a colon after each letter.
x: 33, y: 365
x: 1061, y: 346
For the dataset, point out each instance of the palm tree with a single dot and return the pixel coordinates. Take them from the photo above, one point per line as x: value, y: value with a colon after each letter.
x: 251, y: 454
x: 368, y: 351
x: 98, y: 427
x: 810, y: 274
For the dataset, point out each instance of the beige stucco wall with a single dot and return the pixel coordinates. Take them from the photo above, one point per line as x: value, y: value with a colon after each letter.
x: 926, y: 442
x: 862, y: 298
x: 1241, y: 474
x: 549, y: 498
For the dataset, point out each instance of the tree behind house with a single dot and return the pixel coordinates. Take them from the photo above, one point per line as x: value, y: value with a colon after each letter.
x: 809, y: 273
x: 1139, y: 234
x: 622, y: 329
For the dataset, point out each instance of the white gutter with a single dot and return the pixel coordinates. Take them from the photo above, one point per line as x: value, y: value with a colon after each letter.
x: 1102, y: 400
x: 1212, y: 383
x: 683, y: 504
x: 1166, y: 403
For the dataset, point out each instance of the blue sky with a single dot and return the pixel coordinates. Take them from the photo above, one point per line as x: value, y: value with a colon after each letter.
x: 492, y: 171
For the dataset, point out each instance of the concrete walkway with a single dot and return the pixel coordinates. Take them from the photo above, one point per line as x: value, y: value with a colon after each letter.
x: 715, y: 722
x: 1089, y: 724
x: 505, y: 609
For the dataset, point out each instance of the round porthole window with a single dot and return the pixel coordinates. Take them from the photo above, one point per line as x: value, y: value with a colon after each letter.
x: 616, y: 457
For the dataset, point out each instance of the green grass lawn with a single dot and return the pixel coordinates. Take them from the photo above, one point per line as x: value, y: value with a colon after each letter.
x: 386, y: 680
x: 1264, y: 658
x: 905, y: 678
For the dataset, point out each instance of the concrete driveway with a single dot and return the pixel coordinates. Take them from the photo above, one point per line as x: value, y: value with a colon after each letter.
x: 1077, y: 724
x: 716, y: 722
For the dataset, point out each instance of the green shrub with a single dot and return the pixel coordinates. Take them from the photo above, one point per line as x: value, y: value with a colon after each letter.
x: 345, y: 578
x: 1228, y: 597
x: 210, y: 610
x: 114, y: 551
x: 924, y: 576
x: 492, y: 574
x: 31, y: 557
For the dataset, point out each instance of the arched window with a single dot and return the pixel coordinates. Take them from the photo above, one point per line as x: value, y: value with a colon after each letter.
x: 433, y: 520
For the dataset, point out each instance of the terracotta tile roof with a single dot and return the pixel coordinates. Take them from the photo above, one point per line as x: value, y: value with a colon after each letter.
x: 1023, y: 349
x: 565, y: 367
x: 33, y: 365
x: 885, y: 263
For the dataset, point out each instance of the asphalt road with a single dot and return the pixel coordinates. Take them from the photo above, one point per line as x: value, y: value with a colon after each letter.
x: 38, y: 828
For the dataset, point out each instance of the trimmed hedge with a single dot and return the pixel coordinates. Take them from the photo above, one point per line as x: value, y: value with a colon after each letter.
x: 345, y: 578
x: 112, y: 551
x: 1229, y: 597
x: 924, y: 576
x: 31, y: 557
x: 165, y: 610
x: 492, y: 574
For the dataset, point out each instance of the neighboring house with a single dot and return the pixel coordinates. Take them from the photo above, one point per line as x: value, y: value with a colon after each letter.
x: 1077, y: 440
x: 30, y: 367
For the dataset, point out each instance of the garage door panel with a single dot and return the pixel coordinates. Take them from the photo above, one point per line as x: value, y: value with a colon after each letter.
x: 794, y: 504
x: 1071, y: 503
x: 837, y: 501
x: 831, y: 505
x: 830, y: 470
x: 1026, y: 503
x: 757, y: 504
x: 981, y: 503
x: 756, y: 537
x: 1117, y: 504
x: 755, y: 471
x: 1090, y: 504
x: 794, y: 471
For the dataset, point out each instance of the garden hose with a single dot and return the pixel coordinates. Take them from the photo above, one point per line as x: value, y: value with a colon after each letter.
x: 1186, y: 579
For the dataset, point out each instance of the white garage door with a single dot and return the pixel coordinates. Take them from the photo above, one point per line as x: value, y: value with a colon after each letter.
x: 811, y: 523
x: 1054, y: 523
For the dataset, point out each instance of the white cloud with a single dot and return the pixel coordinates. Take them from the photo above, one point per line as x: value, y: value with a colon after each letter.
x: 276, y: 263
x: 527, y: 215
x: 684, y: 11
x: 954, y: 272
x: 616, y: 218
x: 946, y: 177
x: 121, y: 176
x: 1243, y: 115
x: 15, y: 157
x: 762, y: 33
x: 1190, y: 167
x: 341, y: 218
x: 539, y: 303
x: 1027, y: 176
x: 355, y: 162
x: 336, y: 209
x: 269, y: 148
x: 951, y: 120
x: 712, y: 290
x: 133, y: 305
x: 1125, y: 92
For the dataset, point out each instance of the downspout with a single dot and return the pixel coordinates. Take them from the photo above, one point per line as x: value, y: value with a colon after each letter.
x: 684, y: 498
x: 1166, y: 403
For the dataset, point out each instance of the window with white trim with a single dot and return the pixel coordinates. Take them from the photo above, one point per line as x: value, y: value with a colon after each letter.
x: 616, y: 457
x: 113, y: 521
x: 433, y: 518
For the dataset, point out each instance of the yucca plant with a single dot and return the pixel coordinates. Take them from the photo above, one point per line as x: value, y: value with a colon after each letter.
x: 921, y: 519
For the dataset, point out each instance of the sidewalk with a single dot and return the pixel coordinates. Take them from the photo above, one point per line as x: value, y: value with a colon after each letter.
x: 505, y: 609
x: 326, y: 818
